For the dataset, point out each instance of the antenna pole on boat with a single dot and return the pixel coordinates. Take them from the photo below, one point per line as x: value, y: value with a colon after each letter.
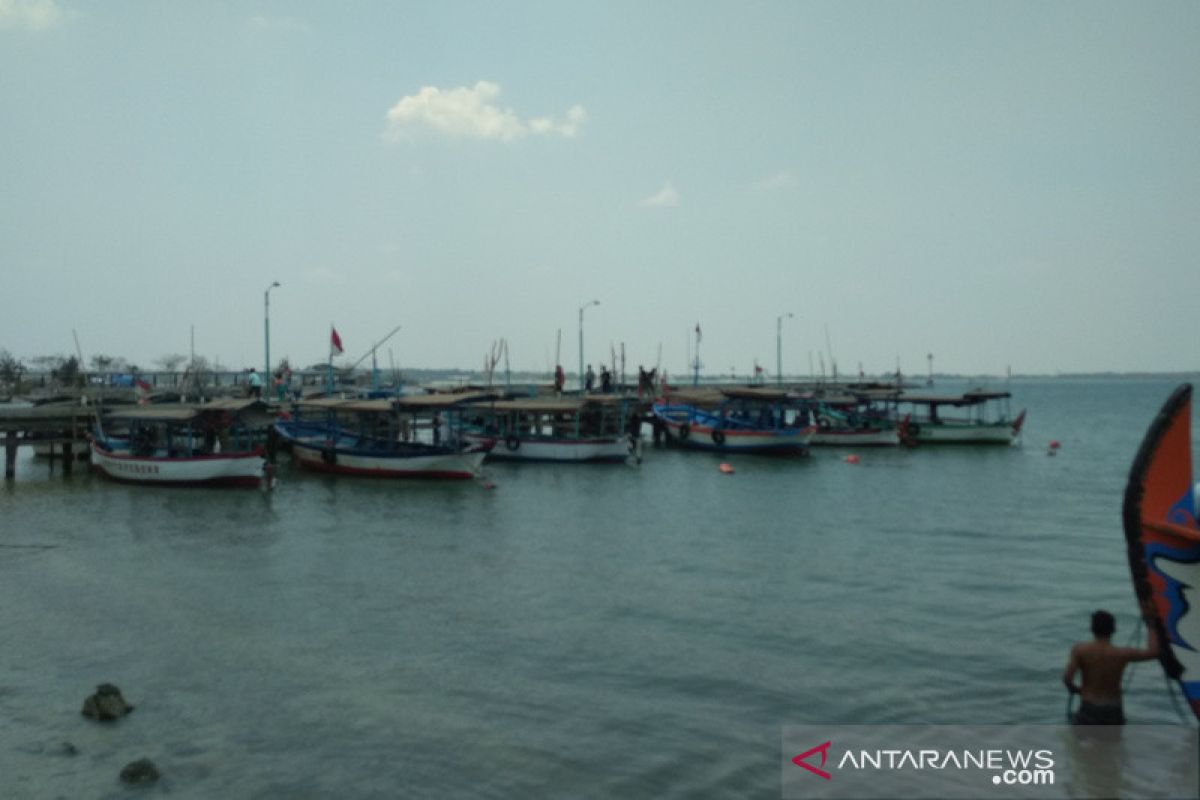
x: 267, y: 329
x: 696, y: 361
x: 779, y: 346
x: 622, y: 364
x: 507, y: 372
x: 583, y: 308
x: 829, y: 347
x: 374, y: 347
x: 329, y: 387
x: 81, y: 372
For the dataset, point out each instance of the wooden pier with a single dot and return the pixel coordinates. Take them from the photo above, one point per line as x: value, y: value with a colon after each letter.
x: 63, y: 426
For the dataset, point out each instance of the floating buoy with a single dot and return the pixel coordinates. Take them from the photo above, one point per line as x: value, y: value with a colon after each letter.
x: 1053, y: 448
x: 851, y: 459
x: 726, y: 469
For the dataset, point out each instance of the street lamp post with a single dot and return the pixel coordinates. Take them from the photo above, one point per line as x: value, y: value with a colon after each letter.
x: 582, y: 308
x: 779, y: 346
x: 267, y: 329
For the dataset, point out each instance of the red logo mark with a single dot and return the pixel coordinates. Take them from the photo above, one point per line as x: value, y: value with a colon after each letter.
x: 823, y: 749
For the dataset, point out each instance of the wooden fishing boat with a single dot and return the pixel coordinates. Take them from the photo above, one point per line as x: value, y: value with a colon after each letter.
x: 853, y: 420
x: 736, y: 420
x: 561, y: 429
x: 974, y: 417
x: 401, y: 437
x: 214, y: 444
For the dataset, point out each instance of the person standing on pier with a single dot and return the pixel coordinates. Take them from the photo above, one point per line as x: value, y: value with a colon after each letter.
x: 255, y: 384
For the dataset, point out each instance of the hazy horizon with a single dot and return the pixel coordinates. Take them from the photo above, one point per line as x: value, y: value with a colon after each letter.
x: 1001, y: 185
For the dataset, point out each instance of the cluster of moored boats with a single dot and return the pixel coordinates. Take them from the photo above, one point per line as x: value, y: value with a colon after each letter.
x: 448, y: 435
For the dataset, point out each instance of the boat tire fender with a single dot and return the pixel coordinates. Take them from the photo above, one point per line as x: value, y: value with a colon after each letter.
x: 718, y: 437
x: 823, y: 423
x: 512, y: 443
x: 684, y: 431
x: 329, y: 456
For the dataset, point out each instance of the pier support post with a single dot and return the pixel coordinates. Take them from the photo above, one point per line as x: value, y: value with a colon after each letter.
x: 10, y: 455
x: 68, y: 458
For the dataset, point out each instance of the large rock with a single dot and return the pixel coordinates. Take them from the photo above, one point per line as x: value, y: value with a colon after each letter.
x: 140, y: 771
x: 106, y: 704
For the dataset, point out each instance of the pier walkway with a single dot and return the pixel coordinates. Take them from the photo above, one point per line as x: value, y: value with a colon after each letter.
x: 61, y: 426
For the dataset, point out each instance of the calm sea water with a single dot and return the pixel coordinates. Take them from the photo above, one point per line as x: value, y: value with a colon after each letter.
x: 591, y: 631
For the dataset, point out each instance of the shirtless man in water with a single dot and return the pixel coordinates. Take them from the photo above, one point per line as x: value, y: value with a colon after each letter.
x: 1102, y: 665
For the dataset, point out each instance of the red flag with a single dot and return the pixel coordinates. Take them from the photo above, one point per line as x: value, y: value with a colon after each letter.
x: 335, y: 342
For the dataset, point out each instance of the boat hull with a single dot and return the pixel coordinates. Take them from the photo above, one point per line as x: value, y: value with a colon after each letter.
x: 244, y: 470
x: 436, y: 466
x: 610, y: 450
x: 702, y: 437
x: 949, y: 433
x: 870, y: 437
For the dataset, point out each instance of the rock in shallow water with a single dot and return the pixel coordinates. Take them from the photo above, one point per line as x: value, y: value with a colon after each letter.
x: 140, y: 771
x: 106, y: 704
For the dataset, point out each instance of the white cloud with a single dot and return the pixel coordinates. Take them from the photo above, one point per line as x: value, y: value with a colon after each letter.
x: 780, y: 180
x: 569, y: 127
x: 34, y: 15
x: 667, y: 196
x: 471, y: 112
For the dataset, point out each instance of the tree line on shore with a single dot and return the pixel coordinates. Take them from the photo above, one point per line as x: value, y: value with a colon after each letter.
x: 17, y: 375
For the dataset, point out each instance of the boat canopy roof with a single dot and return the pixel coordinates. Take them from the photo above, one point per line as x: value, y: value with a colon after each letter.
x: 380, y: 405
x: 414, y: 402
x: 971, y: 398
x: 385, y: 405
x: 696, y: 396
x: 552, y: 405
x: 713, y: 396
x: 185, y: 412
x: 760, y: 393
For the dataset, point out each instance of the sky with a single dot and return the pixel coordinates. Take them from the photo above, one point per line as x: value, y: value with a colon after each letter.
x: 1002, y: 185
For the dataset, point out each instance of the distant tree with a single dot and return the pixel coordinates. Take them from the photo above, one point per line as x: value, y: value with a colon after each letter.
x: 11, y: 370
x: 47, y: 363
x: 171, y: 362
x: 197, y: 376
x: 101, y: 363
x: 67, y: 372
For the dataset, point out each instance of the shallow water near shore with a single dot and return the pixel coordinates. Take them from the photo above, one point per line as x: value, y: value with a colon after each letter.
x: 584, y: 631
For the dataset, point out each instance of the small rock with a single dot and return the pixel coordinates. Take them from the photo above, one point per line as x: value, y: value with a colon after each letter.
x: 140, y: 771
x: 106, y: 704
